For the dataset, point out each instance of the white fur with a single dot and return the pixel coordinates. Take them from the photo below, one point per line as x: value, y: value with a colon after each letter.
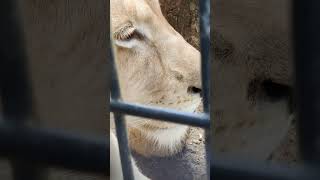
x: 168, y: 138
x: 129, y: 44
x: 193, y: 107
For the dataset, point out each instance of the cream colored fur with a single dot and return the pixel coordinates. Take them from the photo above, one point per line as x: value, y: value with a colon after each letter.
x: 156, y: 67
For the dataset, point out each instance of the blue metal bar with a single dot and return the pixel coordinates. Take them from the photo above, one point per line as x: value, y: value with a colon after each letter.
x: 206, y: 67
x: 199, y: 120
x: 307, y: 67
x: 15, y: 90
x: 120, y: 123
x: 205, y: 51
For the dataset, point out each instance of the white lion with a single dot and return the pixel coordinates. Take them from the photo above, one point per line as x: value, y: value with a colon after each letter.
x: 156, y: 67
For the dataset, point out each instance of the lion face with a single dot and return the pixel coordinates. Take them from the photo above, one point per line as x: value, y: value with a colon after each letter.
x: 156, y: 66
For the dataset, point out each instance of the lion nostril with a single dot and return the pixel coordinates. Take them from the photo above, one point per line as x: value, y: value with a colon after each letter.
x: 194, y: 90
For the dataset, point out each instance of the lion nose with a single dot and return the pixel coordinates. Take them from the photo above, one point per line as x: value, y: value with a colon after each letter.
x: 194, y: 90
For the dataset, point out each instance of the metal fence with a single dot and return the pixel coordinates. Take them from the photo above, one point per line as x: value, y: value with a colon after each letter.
x: 306, y: 29
x: 119, y: 107
x: 30, y: 150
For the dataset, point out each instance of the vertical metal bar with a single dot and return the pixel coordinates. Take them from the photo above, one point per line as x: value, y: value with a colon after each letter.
x: 307, y: 66
x: 205, y: 67
x: 14, y: 87
x: 120, y: 123
x: 205, y: 49
x: 15, y: 91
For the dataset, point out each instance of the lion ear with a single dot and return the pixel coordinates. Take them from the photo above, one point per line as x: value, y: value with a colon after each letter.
x: 123, y: 37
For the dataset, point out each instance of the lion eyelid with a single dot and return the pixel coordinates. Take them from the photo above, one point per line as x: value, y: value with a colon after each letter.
x: 125, y: 32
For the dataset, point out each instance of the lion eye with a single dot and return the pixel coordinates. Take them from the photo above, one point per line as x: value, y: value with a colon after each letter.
x: 125, y: 33
x: 127, y: 36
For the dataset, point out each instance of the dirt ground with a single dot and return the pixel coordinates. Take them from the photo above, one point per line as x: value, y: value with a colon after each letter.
x: 190, y: 164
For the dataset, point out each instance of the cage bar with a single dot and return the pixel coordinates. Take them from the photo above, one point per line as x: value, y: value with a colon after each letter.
x: 15, y: 89
x: 120, y: 123
x: 205, y: 72
x: 192, y: 119
x: 307, y: 69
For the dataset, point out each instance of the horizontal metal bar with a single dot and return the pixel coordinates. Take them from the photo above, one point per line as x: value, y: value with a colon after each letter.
x: 55, y: 148
x: 232, y: 169
x: 198, y: 120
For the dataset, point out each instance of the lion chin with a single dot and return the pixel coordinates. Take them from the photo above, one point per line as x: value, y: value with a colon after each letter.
x: 155, y: 138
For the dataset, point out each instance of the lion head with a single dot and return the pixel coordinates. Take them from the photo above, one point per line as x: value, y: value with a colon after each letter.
x: 156, y: 67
